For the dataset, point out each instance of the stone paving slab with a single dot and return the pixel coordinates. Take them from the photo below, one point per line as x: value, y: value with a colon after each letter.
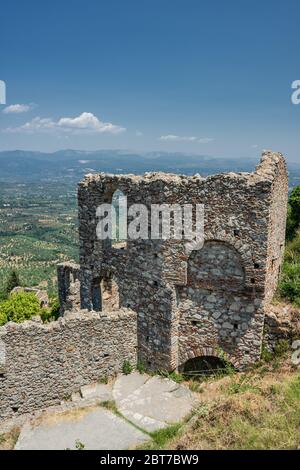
x: 96, y: 390
x: 96, y: 428
x: 155, y: 404
x: 151, y: 403
x: 127, y: 384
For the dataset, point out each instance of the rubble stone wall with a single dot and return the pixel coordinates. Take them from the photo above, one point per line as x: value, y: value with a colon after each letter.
x: 226, y: 284
x: 42, y: 364
x: 282, y: 323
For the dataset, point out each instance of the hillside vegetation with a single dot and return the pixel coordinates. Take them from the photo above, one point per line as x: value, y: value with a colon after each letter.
x: 289, y: 285
x: 255, y: 410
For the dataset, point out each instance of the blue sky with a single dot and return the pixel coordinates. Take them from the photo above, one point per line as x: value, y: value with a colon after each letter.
x: 208, y: 77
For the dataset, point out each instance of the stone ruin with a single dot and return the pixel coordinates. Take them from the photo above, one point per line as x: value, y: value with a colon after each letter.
x: 153, y: 301
x: 188, y: 305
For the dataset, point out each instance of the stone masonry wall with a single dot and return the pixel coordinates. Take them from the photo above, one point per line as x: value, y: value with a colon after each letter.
x: 282, y: 322
x: 68, y: 286
x: 225, y: 286
x: 41, y: 364
x: 277, y: 223
x: 214, y: 308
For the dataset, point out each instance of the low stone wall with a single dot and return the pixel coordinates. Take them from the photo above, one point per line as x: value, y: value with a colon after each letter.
x: 281, y: 323
x: 41, y: 364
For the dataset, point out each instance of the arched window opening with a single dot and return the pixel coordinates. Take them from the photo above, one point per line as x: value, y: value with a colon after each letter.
x: 119, y: 225
x: 105, y: 294
x: 110, y: 294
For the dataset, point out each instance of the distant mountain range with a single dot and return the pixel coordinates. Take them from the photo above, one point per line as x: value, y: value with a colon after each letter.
x: 73, y: 164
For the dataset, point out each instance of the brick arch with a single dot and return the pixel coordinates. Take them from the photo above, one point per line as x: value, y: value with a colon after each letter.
x: 212, y: 351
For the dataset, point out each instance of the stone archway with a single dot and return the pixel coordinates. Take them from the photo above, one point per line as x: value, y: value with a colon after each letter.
x: 211, y: 355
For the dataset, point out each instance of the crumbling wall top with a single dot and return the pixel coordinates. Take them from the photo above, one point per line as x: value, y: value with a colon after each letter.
x: 266, y: 170
x: 81, y: 315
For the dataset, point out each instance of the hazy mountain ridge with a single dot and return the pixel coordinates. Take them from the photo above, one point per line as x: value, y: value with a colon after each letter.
x: 22, y: 165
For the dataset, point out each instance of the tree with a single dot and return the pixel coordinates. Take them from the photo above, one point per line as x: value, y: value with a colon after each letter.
x: 12, y: 281
x: 20, y: 306
x: 293, y: 215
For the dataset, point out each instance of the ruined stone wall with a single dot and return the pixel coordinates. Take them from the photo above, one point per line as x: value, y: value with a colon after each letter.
x: 42, y: 364
x: 215, y: 311
x: 282, y: 322
x: 167, y: 284
x: 68, y: 281
x: 277, y: 222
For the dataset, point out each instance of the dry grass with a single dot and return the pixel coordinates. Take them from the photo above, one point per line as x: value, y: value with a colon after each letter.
x: 259, y: 409
x: 74, y: 414
x: 8, y: 440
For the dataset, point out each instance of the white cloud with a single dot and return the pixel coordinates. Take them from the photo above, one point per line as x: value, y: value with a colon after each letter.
x: 205, y: 140
x: 177, y: 138
x: 85, y: 123
x: 17, y: 108
x: 254, y: 146
x: 89, y: 122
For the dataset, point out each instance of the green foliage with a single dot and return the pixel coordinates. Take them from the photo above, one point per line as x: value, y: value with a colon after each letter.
x: 140, y: 367
x: 3, y: 294
x: 293, y: 214
x: 103, y: 379
x: 196, y: 386
x: 38, y: 231
x: 110, y: 405
x: 228, y: 368
x: 19, y: 307
x: 178, y: 378
x: 79, y: 445
x: 51, y: 313
x: 241, y: 385
x: 163, y: 436
x: 289, y: 285
x: 266, y: 354
x: 127, y: 367
x: 12, y: 281
x: 294, y: 201
x: 3, y: 317
x: 281, y: 347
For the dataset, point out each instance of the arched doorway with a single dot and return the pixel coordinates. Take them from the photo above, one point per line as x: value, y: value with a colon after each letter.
x: 205, y: 365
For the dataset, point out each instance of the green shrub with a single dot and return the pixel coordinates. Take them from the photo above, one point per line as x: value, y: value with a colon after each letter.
x: 266, y: 354
x: 282, y: 346
x: 293, y: 214
x: 19, y: 307
x: 51, y: 313
x: 54, y: 306
x: 127, y: 367
x: 175, y: 376
x: 12, y: 281
x: 289, y: 286
x: 140, y: 367
x: 3, y: 318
